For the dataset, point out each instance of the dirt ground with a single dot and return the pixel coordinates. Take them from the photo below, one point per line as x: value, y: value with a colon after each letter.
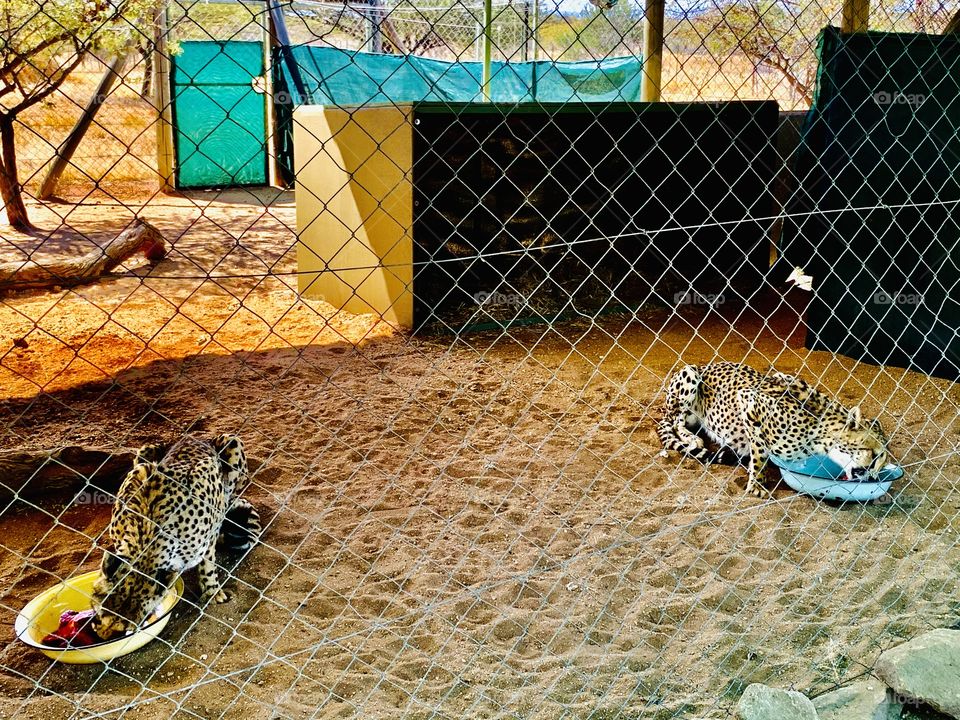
x: 469, y: 527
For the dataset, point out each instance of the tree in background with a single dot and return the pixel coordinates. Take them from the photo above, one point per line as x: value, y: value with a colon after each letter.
x: 592, y: 33
x: 778, y: 34
x: 40, y: 45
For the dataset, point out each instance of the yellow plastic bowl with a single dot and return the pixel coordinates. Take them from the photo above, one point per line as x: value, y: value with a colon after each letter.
x: 41, y: 616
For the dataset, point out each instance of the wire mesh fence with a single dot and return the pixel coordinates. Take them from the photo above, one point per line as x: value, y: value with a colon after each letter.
x: 445, y: 330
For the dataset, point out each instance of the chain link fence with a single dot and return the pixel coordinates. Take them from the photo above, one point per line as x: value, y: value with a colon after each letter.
x: 444, y: 328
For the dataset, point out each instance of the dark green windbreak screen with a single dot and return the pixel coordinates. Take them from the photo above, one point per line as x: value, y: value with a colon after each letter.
x: 875, y: 216
x: 219, y: 119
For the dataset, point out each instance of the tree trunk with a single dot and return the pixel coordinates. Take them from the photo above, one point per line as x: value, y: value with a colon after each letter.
x: 953, y: 24
x: 23, y: 274
x: 10, y: 189
x: 146, y: 88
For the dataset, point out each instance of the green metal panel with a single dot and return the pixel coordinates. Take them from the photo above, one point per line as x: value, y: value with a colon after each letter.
x: 219, y: 119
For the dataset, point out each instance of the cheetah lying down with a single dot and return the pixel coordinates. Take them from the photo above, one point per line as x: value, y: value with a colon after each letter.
x: 170, y: 510
x: 752, y: 416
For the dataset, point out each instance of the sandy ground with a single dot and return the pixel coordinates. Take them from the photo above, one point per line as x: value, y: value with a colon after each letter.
x: 455, y: 528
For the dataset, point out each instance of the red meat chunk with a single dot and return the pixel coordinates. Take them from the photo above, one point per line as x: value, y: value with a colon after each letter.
x: 74, y: 631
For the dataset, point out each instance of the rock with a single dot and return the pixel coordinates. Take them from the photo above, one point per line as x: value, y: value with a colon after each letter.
x: 926, y: 669
x: 864, y: 700
x: 760, y: 702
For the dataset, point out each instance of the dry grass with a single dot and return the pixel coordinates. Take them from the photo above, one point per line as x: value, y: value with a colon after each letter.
x: 118, y: 154
x: 703, y: 77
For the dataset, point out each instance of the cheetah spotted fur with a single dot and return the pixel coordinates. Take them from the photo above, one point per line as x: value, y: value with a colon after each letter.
x: 751, y: 415
x: 170, y: 510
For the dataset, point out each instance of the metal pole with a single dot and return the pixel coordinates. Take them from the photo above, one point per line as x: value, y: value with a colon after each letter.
x: 487, y: 46
x: 856, y: 16
x: 525, y: 50
x: 536, y: 27
x: 279, y: 27
x: 652, y: 50
x: 374, y: 39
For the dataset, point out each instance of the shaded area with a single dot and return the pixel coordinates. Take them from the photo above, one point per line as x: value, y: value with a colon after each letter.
x: 590, y: 208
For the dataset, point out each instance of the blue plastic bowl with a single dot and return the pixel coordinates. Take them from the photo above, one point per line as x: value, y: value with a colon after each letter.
x: 821, y: 477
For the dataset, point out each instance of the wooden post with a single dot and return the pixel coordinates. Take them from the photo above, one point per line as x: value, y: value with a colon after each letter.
x: 856, y: 16
x: 69, y: 146
x: 652, y: 50
x: 163, y: 101
x: 487, y: 47
x: 273, y: 165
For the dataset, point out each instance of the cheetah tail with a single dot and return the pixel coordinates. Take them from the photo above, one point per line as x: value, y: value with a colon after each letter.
x: 671, y: 441
x: 241, y: 526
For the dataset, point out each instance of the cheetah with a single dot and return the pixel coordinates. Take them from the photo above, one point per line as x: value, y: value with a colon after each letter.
x: 170, y: 511
x: 752, y: 415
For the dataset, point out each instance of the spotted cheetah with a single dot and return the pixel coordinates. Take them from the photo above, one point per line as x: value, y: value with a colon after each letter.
x: 752, y: 415
x: 170, y: 510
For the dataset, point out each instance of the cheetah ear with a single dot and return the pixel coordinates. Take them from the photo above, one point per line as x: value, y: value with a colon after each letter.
x: 854, y: 419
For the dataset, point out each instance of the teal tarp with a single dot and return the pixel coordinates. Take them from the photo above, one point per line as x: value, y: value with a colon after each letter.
x: 874, y: 217
x: 344, y: 77
x: 219, y: 119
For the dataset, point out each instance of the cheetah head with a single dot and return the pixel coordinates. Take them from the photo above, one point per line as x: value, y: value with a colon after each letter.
x: 860, y: 447
x: 123, y: 596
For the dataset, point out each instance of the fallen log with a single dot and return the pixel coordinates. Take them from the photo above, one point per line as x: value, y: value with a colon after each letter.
x: 46, y: 473
x: 65, y: 272
x: 61, y: 473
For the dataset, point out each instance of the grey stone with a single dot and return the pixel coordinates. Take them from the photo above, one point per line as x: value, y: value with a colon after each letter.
x: 926, y: 669
x: 760, y: 702
x: 864, y: 700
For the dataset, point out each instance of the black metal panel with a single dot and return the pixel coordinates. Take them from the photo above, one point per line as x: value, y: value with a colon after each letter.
x: 538, y: 211
x: 874, y: 218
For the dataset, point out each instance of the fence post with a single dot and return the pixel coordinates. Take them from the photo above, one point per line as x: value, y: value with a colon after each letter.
x: 653, y: 12
x: 373, y: 43
x: 535, y: 30
x: 161, y: 94
x: 487, y: 47
x: 856, y: 16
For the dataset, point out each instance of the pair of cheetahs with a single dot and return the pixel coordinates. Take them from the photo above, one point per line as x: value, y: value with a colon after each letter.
x: 173, y: 506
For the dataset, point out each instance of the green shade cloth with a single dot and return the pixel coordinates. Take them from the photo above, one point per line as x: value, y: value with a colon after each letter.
x: 343, y: 77
x: 875, y: 217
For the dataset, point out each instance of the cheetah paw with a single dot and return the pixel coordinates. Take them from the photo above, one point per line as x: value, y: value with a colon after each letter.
x: 218, y: 596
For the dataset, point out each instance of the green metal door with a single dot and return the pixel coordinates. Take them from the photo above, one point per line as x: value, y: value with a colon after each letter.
x: 219, y: 114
